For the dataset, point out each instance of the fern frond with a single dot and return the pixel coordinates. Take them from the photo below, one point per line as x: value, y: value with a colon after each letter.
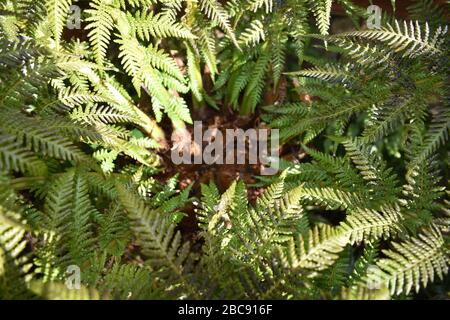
x: 13, y: 156
x: 148, y: 25
x: 253, y: 34
x: 436, y: 136
x: 100, y: 114
x: 46, y: 140
x: 15, y: 265
x: 415, y: 263
x: 215, y: 11
x: 166, y: 253
x: 331, y: 73
x: 322, y: 13
x: 100, y: 24
x: 370, y: 225
x: 255, y: 86
x: 318, y: 250
x: 57, y: 15
x: 140, y: 63
x: 332, y: 198
x: 412, y: 39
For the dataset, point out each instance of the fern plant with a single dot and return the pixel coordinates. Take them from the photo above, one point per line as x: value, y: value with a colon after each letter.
x: 363, y: 214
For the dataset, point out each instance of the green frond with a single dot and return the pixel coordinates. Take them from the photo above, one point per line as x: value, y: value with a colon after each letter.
x: 318, y: 250
x: 57, y: 15
x: 8, y: 22
x: 208, y: 51
x: 113, y: 231
x: 47, y: 140
x: 369, y: 225
x: 388, y: 118
x: 254, y: 89
x: 137, y: 3
x: 335, y: 277
x: 332, y: 198
x: 331, y: 73
x: 364, y: 264
x: 373, y: 170
x: 128, y: 282
x: 322, y: 13
x: 238, y: 81
x: 278, y: 43
x: 99, y: 114
x: 166, y: 253
x: 414, y: 263
x: 353, y: 9
x: 141, y: 63
x: 216, y: 12
x: 195, y: 76
x: 149, y: 25
x: 69, y: 215
x: 100, y: 24
x: 210, y: 198
x: 253, y: 34
x: 15, y: 265
x: 421, y: 194
x: 410, y: 38
x: 273, y: 193
x: 276, y: 224
x: 13, y: 156
x: 436, y: 136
